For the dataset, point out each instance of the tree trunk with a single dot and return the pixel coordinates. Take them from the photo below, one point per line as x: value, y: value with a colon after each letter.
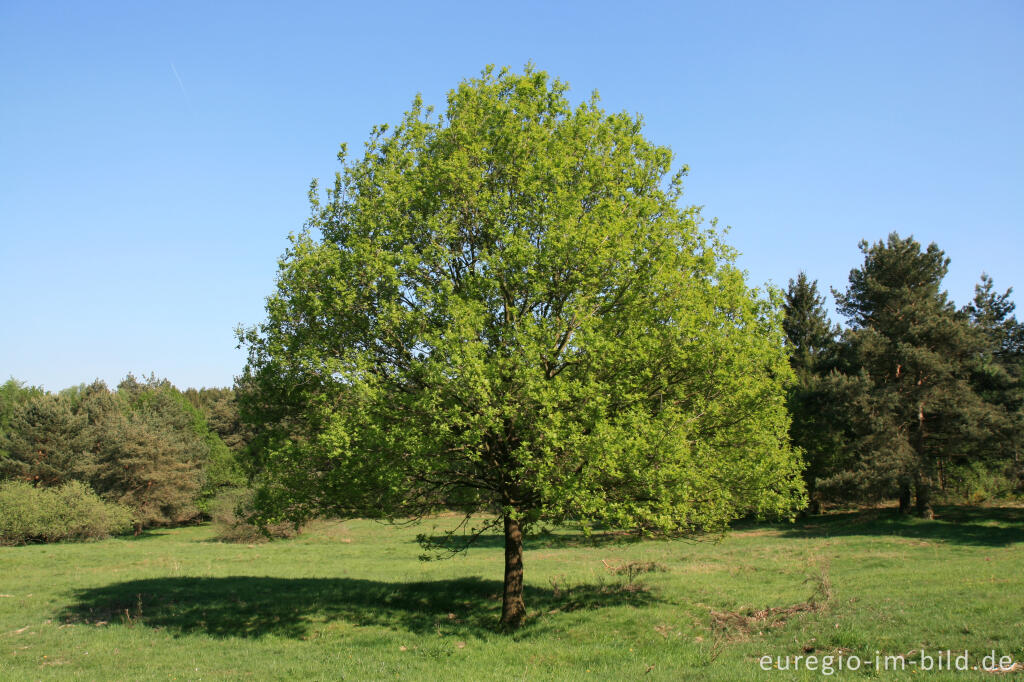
x: 138, y: 528
x: 924, y: 500
x: 513, y: 610
x: 904, y: 498
x: 926, y: 473
x: 923, y: 487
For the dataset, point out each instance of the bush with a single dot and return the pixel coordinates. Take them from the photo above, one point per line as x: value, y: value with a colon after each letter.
x: 980, y: 482
x: 71, y: 512
x: 229, y: 512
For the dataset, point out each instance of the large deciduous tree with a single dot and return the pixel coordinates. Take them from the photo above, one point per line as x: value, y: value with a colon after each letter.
x: 505, y: 309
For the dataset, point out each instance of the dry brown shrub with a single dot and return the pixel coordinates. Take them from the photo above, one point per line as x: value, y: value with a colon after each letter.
x: 230, y: 513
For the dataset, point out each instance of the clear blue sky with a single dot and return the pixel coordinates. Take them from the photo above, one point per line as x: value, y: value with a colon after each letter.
x: 154, y: 155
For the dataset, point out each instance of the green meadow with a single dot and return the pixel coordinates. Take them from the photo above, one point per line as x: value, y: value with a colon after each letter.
x: 352, y: 601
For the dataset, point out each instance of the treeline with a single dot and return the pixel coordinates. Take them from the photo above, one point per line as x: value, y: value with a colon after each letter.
x: 152, y: 453
x: 916, y: 398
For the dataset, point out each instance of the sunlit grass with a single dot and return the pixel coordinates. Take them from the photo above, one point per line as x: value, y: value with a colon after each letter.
x: 351, y: 601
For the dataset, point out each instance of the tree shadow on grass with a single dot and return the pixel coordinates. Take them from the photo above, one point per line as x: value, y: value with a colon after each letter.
x: 982, y: 526
x: 148, y: 534
x: 247, y: 606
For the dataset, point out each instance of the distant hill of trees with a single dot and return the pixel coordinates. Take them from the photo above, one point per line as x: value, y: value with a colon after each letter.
x: 162, y: 453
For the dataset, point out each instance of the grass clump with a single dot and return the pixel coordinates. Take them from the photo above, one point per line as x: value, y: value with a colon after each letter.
x: 69, y: 512
x: 632, y: 569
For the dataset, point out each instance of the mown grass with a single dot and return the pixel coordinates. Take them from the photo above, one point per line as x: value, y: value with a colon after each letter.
x: 351, y: 601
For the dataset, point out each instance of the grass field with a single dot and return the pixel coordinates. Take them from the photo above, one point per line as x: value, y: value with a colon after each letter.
x: 351, y: 601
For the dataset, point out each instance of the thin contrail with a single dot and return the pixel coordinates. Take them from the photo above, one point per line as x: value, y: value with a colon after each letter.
x: 180, y: 84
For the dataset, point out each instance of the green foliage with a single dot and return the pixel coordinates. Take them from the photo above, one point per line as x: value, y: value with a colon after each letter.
x: 215, y: 418
x: 221, y: 469
x: 44, y: 442
x: 150, y: 452
x: 993, y: 314
x: 12, y: 394
x: 506, y: 308
x: 71, y: 511
x: 220, y: 408
x: 158, y: 455
x: 981, y: 480
x: 998, y: 375
x: 94, y: 401
x: 811, y: 336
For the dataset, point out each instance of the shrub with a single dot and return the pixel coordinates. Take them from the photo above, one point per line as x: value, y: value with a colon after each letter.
x: 71, y: 512
x: 229, y: 512
x: 977, y: 482
x: 21, y: 514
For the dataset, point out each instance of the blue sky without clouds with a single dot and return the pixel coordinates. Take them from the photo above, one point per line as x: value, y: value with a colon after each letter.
x: 154, y: 156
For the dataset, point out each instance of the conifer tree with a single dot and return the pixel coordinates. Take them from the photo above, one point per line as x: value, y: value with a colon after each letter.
x: 910, y: 352
x: 220, y: 408
x: 12, y: 394
x: 993, y: 314
x: 811, y: 338
x: 154, y: 452
x: 43, y: 442
x: 148, y: 468
x: 998, y: 374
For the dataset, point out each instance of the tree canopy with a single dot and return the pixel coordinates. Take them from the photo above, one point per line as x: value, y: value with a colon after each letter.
x: 43, y: 442
x: 998, y: 375
x: 505, y: 308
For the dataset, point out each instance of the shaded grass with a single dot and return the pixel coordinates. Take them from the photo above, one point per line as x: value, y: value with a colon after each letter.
x: 351, y: 601
x: 987, y: 527
x: 249, y: 606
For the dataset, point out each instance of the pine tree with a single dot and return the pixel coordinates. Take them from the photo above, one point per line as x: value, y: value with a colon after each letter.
x: 220, y: 408
x: 43, y: 442
x: 153, y: 450
x: 148, y: 468
x: 993, y: 314
x: 810, y: 334
x: 12, y: 394
x: 998, y: 374
x: 811, y: 338
x: 910, y: 354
